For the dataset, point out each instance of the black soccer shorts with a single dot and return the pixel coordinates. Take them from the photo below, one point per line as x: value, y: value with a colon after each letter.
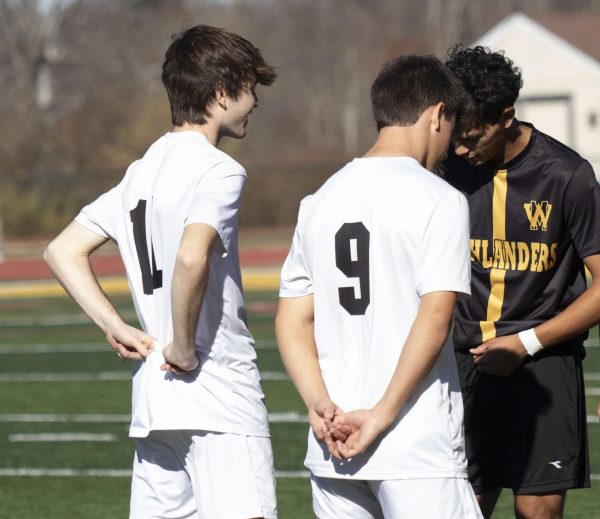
x: 528, y: 431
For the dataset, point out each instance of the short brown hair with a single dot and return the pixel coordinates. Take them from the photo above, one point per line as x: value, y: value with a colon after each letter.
x: 408, y: 85
x: 204, y: 58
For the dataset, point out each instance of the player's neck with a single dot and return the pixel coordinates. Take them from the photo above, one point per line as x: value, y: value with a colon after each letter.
x: 518, y: 136
x: 209, y: 130
x: 396, y: 141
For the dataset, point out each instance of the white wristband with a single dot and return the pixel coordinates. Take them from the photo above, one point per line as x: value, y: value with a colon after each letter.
x: 530, y: 341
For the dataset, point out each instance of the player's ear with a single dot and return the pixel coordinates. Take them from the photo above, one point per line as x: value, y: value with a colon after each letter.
x: 221, y: 97
x: 436, y: 116
x: 508, y: 116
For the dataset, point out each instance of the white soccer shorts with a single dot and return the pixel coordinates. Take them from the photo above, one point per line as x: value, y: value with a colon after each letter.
x: 202, y: 475
x: 436, y: 498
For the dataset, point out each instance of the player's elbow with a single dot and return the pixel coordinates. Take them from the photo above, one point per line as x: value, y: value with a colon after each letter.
x: 192, y: 264
x: 51, y: 254
x: 62, y: 251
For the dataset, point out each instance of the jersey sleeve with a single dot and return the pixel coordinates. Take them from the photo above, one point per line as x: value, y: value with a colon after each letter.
x: 296, y: 280
x: 582, y: 210
x: 101, y: 215
x: 444, y: 255
x: 216, y: 201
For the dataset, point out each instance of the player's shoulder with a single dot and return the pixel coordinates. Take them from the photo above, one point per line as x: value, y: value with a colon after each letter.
x: 386, y: 178
x: 439, y: 183
x: 330, y: 183
x: 434, y: 187
x: 306, y: 204
x: 190, y: 151
x: 223, y: 165
x: 197, y: 151
x: 555, y: 155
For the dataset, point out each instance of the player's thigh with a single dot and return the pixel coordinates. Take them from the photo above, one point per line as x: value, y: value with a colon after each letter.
x: 160, y: 486
x: 547, y: 395
x: 334, y: 498
x: 232, y: 476
x: 435, y: 498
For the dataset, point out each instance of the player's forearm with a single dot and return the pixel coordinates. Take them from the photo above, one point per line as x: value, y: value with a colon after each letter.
x: 190, y: 280
x: 189, y: 283
x: 294, y: 332
x: 579, y: 316
x: 72, y: 269
x: 420, y: 352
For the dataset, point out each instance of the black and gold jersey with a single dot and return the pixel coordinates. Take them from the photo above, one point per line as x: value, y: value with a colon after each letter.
x: 533, y: 219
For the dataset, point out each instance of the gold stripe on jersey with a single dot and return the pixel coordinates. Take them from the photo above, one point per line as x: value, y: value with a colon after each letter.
x: 494, y: 308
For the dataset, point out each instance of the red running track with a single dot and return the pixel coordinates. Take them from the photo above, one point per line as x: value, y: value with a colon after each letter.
x: 29, y: 269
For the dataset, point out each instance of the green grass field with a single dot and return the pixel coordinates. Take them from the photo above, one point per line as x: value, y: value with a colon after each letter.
x: 57, y: 376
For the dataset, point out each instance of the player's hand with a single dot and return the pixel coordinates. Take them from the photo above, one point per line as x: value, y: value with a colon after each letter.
x: 321, y: 417
x: 500, y: 356
x: 129, y: 342
x: 365, y: 426
x: 177, y: 362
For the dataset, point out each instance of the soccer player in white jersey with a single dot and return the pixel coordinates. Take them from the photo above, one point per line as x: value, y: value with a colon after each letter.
x: 198, y: 414
x: 366, y: 301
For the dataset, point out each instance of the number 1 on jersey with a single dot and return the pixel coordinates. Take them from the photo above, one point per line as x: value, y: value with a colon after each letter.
x: 151, y: 276
x: 352, y: 258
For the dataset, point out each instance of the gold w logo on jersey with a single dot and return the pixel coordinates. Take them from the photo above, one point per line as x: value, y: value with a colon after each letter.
x: 538, y: 214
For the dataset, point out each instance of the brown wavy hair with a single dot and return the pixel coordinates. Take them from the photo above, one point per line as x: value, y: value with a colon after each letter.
x: 202, y: 59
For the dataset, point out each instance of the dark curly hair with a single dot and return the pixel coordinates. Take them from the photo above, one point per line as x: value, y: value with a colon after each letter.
x: 491, y: 81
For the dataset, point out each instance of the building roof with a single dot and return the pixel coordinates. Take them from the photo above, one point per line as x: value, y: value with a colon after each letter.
x: 580, y: 29
x: 554, y: 40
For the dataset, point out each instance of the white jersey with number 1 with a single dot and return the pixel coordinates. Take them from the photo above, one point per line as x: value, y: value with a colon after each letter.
x: 182, y: 179
x: 377, y: 236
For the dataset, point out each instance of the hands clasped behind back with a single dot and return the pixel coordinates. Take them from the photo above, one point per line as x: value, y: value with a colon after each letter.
x: 350, y: 434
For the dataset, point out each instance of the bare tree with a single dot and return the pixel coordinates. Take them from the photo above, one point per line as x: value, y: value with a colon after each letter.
x: 82, y: 95
x: 28, y: 29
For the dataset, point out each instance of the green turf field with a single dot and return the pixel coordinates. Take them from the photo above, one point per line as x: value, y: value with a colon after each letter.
x: 58, y: 377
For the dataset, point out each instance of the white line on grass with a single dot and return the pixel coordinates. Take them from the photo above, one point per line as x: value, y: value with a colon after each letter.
x: 62, y: 437
x: 102, y: 347
x: 274, y: 375
x: 74, y: 347
x: 63, y: 418
x: 111, y: 376
x: 292, y: 474
x: 101, y: 376
x: 92, y: 347
x: 288, y: 417
x: 126, y: 473
x: 62, y: 473
x: 112, y: 473
x: 54, y: 320
x: 285, y: 417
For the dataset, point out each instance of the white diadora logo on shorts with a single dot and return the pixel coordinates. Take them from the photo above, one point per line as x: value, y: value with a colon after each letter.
x: 555, y: 463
